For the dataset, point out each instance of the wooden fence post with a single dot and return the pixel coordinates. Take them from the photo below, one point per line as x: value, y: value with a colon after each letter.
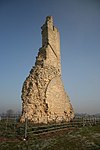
x: 26, y: 121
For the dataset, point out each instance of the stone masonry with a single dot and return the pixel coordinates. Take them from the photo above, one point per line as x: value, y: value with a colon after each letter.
x: 43, y: 95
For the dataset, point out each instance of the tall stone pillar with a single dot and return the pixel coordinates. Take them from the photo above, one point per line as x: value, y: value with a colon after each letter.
x: 43, y: 95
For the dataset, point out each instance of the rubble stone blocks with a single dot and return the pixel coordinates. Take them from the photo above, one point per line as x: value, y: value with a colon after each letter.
x: 43, y: 95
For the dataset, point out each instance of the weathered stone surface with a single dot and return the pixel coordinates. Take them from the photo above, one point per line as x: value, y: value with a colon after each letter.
x: 43, y: 95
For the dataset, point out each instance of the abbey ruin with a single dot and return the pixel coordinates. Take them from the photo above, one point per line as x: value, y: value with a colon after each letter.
x: 43, y: 95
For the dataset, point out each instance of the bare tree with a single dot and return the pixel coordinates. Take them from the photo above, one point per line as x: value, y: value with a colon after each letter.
x: 9, y: 112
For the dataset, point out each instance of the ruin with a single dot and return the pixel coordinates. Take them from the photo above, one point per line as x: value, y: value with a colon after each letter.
x: 43, y: 95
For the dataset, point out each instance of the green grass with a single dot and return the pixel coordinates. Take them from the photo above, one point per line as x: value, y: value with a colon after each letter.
x: 85, y: 138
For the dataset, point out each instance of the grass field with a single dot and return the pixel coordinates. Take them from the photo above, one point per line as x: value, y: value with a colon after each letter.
x: 84, y: 138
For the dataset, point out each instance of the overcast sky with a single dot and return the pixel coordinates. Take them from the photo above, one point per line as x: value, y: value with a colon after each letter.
x: 78, y: 22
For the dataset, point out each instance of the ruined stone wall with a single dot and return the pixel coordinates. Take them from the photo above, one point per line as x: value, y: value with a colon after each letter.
x: 43, y: 95
x: 51, y: 41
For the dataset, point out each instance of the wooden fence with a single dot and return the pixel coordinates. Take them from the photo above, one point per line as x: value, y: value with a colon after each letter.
x: 11, y: 126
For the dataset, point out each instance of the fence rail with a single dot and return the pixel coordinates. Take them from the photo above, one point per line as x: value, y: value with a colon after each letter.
x: 10, y: 127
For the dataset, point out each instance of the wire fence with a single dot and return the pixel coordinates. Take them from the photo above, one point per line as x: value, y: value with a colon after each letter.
x: 11, y: 127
